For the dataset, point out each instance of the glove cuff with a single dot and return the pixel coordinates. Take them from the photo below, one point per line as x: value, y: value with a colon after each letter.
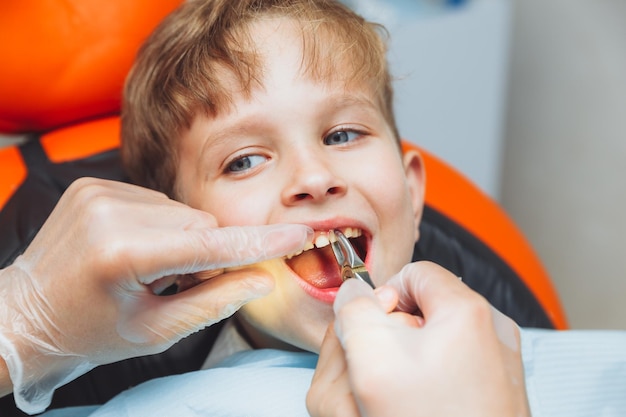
x: 33, y: 389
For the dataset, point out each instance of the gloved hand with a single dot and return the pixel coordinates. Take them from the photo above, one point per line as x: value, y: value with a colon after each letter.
x: 460, y: 357
x: 82, y: 293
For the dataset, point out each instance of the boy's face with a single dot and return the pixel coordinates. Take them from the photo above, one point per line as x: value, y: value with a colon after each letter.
x: 300, y: 151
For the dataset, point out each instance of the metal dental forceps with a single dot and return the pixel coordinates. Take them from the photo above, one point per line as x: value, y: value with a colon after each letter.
x: 351, y: 265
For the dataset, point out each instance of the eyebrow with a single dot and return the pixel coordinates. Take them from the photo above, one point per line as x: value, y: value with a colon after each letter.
x: 351, y: 100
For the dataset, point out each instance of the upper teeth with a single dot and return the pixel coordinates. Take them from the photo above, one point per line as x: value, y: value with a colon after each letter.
x: 322, y: 239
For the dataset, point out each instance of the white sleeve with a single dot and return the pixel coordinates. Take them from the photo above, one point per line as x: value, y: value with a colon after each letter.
x: 575, y: 373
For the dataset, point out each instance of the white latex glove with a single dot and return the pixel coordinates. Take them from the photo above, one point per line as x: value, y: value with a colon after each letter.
x: 82, y: 293
x: 462, y: 358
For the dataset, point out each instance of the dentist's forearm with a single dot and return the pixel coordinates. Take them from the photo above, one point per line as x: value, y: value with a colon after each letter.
x: 6, y: 387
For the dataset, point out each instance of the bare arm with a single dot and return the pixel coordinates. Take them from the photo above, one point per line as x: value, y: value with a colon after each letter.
x: 5, y: 381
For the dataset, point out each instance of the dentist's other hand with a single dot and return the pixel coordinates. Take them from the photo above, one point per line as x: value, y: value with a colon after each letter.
x: 82, y: 294
x: 460, y: 357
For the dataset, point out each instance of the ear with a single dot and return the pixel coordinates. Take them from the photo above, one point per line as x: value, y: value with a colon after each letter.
x: 415, y: 174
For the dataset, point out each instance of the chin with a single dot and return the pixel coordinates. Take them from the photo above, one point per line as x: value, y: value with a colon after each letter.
x: 303, y: 330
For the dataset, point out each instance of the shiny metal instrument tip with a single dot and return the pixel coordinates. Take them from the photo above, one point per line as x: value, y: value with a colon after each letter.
x: 351, y: 265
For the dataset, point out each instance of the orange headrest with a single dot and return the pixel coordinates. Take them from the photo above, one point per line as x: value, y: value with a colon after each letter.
x: 66, y: 60
x: 451, y: 193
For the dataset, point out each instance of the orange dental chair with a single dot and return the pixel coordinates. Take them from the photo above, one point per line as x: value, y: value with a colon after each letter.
x: 64, y: 64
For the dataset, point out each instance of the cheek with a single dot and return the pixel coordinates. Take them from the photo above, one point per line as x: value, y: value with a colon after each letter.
x: 388, y: 194
x: 386, y: 188
x: 231, y: 203
x: 232, y: 206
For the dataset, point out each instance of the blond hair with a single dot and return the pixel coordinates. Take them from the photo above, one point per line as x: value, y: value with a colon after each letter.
x: 179, y: 71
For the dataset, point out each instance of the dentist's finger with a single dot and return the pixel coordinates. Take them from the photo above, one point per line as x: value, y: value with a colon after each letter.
x: 146, y: 318
x: 330, y: 393
x: 429, y: 288
x: 195, y: 250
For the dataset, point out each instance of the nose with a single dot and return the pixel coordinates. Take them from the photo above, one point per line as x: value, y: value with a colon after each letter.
x: 312, y: 179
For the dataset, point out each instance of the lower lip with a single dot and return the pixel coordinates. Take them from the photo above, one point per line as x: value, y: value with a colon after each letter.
x: 325, y: 295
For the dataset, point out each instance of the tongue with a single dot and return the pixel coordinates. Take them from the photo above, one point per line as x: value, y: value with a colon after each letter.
x: 318, y: 267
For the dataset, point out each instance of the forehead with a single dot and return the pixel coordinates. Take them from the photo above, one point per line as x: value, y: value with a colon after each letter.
x: 288, y: 83
x: 317, y: 51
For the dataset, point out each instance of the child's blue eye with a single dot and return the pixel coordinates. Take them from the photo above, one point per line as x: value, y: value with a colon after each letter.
x: 339, y: 137
x: 245, y: 162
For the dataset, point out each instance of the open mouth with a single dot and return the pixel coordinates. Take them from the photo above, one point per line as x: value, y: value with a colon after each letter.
x: 317, y: 264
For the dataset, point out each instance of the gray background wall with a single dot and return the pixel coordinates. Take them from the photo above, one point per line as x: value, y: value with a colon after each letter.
x: 564, y: 165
